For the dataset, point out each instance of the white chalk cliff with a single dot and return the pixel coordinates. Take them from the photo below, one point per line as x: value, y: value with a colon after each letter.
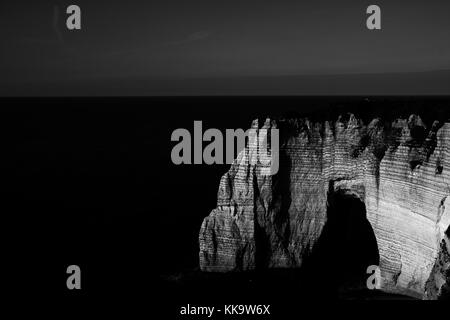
x: 399, y: 169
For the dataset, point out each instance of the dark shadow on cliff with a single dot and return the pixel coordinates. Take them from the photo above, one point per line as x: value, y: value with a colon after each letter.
x: 347, y: 246
x: 278, y: 225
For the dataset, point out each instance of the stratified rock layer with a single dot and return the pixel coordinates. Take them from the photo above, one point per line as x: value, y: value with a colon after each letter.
x: 400, y: 170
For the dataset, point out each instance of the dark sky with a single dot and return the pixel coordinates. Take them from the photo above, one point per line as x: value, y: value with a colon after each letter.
x: 146, y: 43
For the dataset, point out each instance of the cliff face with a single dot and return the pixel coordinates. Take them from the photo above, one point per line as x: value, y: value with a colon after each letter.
x: 398, y: 170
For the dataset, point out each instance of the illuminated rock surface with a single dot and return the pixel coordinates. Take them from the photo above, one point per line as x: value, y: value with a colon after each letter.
x: 399, y: 170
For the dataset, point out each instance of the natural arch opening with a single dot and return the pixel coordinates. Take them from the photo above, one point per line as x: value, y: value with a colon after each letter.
x: 346, y: 247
